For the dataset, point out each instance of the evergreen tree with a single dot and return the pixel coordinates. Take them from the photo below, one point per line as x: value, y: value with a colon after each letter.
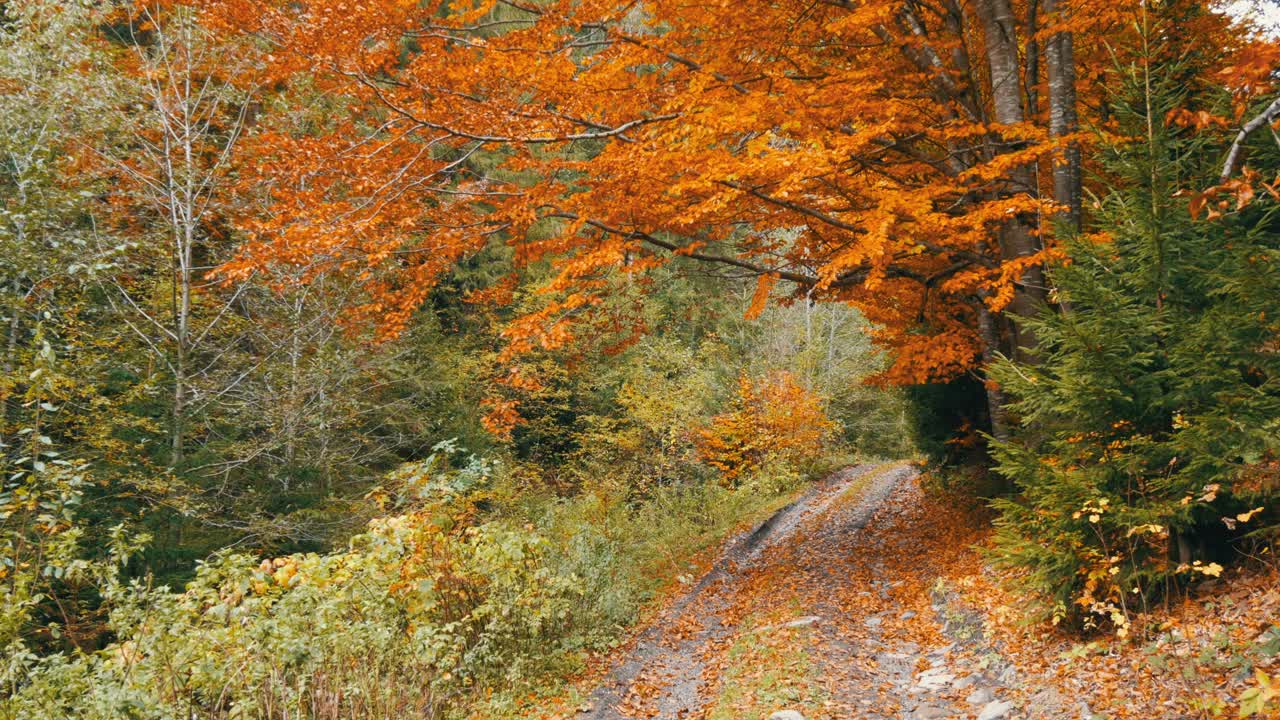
x: 1156, y: 401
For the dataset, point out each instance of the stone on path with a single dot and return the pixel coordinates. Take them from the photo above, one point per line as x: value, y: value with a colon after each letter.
x: 930, y: 712
x: 786, y: 715
x: 995, y: 710
x: 981, y: 696
x: 935, y: 678
x: 806, y: 620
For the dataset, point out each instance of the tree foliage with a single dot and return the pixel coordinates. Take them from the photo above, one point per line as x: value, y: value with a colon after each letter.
x: 886, y: 154
x: 424, y: 341
x: 773, y: 418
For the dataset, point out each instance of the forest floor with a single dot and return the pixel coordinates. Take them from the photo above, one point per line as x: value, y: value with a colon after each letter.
x: 868, y: 598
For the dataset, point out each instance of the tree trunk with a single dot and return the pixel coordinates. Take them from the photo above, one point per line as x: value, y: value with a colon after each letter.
x: 15, y: 324
x: 20, y: 244
x: 996, y: 400
x: 1063, y: 117
x: 293, y: 411
x: 1031, y: 78
x: 182, y: 330
x: 998, y: 29
x: 1017, y: 237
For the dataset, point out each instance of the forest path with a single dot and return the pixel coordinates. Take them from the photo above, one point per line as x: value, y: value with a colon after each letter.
x: 830, y: 609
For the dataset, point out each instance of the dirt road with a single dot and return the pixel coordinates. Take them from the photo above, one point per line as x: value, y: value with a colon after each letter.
x: 842, y: 584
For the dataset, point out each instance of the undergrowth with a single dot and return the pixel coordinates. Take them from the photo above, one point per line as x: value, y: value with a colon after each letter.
x: 473, y: 595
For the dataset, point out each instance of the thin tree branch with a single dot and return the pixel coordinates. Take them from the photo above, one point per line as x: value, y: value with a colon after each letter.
x: 1266, y: 117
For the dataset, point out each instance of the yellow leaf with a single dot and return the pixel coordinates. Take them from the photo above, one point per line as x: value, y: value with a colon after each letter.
x: 1149, y: 528
x: 1247, y: 516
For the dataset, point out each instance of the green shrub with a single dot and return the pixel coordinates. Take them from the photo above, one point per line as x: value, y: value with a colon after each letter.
x: 1157, y: 390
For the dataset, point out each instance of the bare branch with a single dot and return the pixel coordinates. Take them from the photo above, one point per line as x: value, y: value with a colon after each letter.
x: 1266, y: 117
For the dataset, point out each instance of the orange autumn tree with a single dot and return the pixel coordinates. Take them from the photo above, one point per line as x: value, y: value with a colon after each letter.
x: 908, y: 157
x: 772, y: 418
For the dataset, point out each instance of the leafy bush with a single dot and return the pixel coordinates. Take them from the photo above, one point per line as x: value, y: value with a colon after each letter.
x: 408, y: 619
x: 659, y: 397
x: 432, y: 609
x: 774, y: 418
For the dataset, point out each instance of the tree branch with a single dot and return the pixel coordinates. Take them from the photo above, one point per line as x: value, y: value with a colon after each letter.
x: 683, y: 251
x: 1266, y: 117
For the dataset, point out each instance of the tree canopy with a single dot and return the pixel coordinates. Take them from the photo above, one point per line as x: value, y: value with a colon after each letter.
x: 909, y: 158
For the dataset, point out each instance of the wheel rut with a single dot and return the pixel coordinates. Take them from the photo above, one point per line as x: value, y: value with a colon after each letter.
x: 668, y: 673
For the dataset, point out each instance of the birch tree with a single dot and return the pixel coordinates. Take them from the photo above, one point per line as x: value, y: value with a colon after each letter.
x: 191, y: 109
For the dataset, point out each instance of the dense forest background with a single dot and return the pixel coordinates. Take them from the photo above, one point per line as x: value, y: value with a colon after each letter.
x: 396, y: 358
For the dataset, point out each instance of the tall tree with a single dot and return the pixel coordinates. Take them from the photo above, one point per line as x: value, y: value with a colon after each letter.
x: 1063, y: 114
x: 54, y: 92
x: 1153, y: 419
x: 875, y: 153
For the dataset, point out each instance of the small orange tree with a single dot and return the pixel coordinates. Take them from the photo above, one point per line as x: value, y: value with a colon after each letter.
x: 772, y: 418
